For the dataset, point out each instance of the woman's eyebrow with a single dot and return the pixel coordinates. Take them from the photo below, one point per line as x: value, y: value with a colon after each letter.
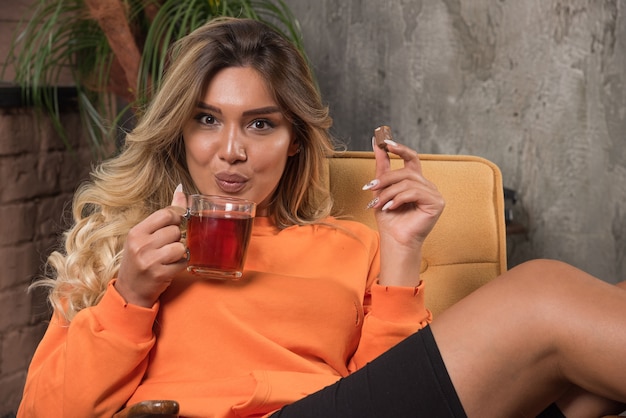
x: 213, y: 109
x: 260, y: 111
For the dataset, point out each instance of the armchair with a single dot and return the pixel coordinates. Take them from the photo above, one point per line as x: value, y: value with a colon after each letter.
x: 466, y: 249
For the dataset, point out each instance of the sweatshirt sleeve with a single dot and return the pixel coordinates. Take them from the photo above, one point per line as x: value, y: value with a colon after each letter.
x: 92, y: 365
x: 391, y: 314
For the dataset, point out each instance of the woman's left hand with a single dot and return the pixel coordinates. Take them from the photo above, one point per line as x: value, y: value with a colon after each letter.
x: 407, y: 208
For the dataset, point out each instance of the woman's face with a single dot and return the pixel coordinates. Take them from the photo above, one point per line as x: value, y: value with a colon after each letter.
x: 238, y: 141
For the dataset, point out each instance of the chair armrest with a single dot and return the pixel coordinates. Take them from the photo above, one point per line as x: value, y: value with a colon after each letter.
x: 146, y: 409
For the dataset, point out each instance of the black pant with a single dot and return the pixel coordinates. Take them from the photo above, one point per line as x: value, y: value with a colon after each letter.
x: 409, y: 380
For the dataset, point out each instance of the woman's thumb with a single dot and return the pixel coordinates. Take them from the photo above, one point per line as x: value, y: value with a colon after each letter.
x: 179, y: 199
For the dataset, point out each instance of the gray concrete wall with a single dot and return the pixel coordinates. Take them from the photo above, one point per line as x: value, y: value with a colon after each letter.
x: 537, y: 86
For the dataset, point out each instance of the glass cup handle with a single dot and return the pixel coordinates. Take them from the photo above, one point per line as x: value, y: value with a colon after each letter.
x: 186, y: 217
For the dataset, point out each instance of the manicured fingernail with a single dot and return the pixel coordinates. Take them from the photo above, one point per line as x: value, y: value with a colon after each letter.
x: 179, y: 189
x: 372, y: 203
x: 390, y: 142
x: 387, y: 205
x: 371, y: 184
x: 373, y: 142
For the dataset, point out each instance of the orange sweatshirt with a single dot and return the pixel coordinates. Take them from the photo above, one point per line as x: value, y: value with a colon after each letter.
x: 306, y: 312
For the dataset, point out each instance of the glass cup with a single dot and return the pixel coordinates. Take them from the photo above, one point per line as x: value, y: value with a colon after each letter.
x: 218, y: 234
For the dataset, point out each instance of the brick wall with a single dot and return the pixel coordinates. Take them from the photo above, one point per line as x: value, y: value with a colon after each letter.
x: 38, y: 176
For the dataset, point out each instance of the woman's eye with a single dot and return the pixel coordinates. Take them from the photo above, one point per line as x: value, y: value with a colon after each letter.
x: 262, y: 124
x: 205, y: 119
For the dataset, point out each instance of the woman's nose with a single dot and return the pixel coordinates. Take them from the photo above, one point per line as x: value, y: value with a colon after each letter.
x: 232, y: 148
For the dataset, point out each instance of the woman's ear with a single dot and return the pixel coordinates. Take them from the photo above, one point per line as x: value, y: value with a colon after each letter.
x: 294, y: 148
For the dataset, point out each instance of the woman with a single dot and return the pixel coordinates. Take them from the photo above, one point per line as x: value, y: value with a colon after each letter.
x: 322, y: 302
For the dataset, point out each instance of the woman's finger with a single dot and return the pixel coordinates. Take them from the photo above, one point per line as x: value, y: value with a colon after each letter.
x: 409, y: 155
x: 383, y: 164
x: 179, y: 199
x: 173, y: 253
x: 421, y: 194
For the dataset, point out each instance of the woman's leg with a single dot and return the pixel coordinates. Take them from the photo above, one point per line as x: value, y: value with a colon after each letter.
x: 578, y: 403
x: 523, y: 340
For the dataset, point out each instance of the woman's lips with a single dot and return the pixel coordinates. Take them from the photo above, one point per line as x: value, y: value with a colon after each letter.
x: 230, y: 182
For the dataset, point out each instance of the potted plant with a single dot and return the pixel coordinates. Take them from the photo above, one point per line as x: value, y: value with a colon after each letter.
x: 115, y: 52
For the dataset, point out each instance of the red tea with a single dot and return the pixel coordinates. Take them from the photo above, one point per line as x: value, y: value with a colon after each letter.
x: 218, y: 245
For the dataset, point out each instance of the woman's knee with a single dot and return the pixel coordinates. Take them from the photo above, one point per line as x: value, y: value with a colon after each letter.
x: 534, y: 294
x: 521, y: 292
x: 544, y: 274
x: 533, y: 289
x: 556, y: 292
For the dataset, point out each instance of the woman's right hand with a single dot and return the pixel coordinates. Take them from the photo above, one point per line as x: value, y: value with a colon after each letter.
x: 153, y: 254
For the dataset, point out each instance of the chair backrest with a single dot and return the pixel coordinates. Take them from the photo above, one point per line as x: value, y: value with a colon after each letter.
x: 467, y: 247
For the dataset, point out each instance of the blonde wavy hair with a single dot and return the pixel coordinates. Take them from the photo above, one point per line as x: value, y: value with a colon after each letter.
x: 141, y: 179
